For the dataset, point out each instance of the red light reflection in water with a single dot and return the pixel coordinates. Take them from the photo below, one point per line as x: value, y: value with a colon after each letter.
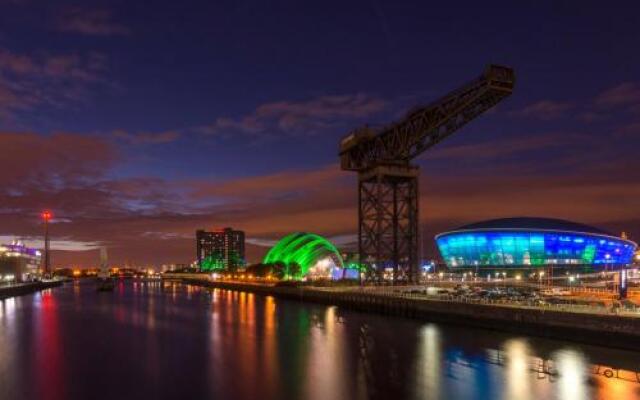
x: 48, y: 351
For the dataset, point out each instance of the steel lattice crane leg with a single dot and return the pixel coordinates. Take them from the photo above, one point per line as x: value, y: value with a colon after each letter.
x: 388, y: 220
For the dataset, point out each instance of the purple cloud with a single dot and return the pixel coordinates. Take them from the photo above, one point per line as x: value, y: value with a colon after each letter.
x: 300, y: 117
x: 544, y: 109
x: 147, y: 137
x: 627, y: 93
x: 90, y: 22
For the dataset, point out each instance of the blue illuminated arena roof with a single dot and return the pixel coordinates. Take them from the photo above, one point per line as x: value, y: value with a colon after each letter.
x: 533, y: 223
x: 532, y: 242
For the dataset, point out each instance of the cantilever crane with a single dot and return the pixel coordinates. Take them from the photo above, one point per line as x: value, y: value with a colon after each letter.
x: 388, y: 182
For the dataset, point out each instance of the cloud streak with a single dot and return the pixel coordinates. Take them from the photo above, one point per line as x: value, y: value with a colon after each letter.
x: 544, y: 110
x: 54, y: 80
x: 90, y: 22
x: 147, y: 137
x: 31, y: 160
x: 308, y: 117
x: 627, y: 93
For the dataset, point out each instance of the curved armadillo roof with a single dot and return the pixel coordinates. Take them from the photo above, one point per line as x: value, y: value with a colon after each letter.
x: 302, y: 248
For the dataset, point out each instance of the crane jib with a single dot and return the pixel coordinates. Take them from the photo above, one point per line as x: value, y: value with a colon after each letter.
x: 428, y: 125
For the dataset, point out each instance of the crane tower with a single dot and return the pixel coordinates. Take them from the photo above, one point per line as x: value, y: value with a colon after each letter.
x: 388, y: 182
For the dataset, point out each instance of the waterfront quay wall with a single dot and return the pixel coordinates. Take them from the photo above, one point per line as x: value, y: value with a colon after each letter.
x: 602, y: 329
x: 26, y: 288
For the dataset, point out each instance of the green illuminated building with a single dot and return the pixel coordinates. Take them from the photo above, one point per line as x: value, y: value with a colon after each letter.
x: 220, y: 250
x: 311, y: 253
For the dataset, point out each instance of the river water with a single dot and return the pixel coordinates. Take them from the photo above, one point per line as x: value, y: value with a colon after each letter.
x: 154, y: 340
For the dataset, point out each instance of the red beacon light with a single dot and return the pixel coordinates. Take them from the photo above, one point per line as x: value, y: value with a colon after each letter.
x: 47, y: 215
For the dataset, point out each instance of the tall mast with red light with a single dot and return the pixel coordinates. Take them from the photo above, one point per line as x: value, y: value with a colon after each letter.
x: 46, y: 216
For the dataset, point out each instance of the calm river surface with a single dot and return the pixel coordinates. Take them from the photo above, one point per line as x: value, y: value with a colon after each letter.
x: 171, y: 341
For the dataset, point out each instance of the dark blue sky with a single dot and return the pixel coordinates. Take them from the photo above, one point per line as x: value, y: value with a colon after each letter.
x: 208, y: 113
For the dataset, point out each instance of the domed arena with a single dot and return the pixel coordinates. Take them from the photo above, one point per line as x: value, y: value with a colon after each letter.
x: 533, y: 242
x: 314, y: 255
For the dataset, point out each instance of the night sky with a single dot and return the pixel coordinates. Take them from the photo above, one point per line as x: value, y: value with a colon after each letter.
x: 138, y: 122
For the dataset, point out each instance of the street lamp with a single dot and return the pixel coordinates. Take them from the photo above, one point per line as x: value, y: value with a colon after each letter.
x: 46, y: 217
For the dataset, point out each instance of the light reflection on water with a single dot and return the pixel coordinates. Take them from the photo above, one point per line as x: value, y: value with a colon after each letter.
x: 429, y: 358
x: 164, y: 340
x: 518, y: 384
x: 326, y: 361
